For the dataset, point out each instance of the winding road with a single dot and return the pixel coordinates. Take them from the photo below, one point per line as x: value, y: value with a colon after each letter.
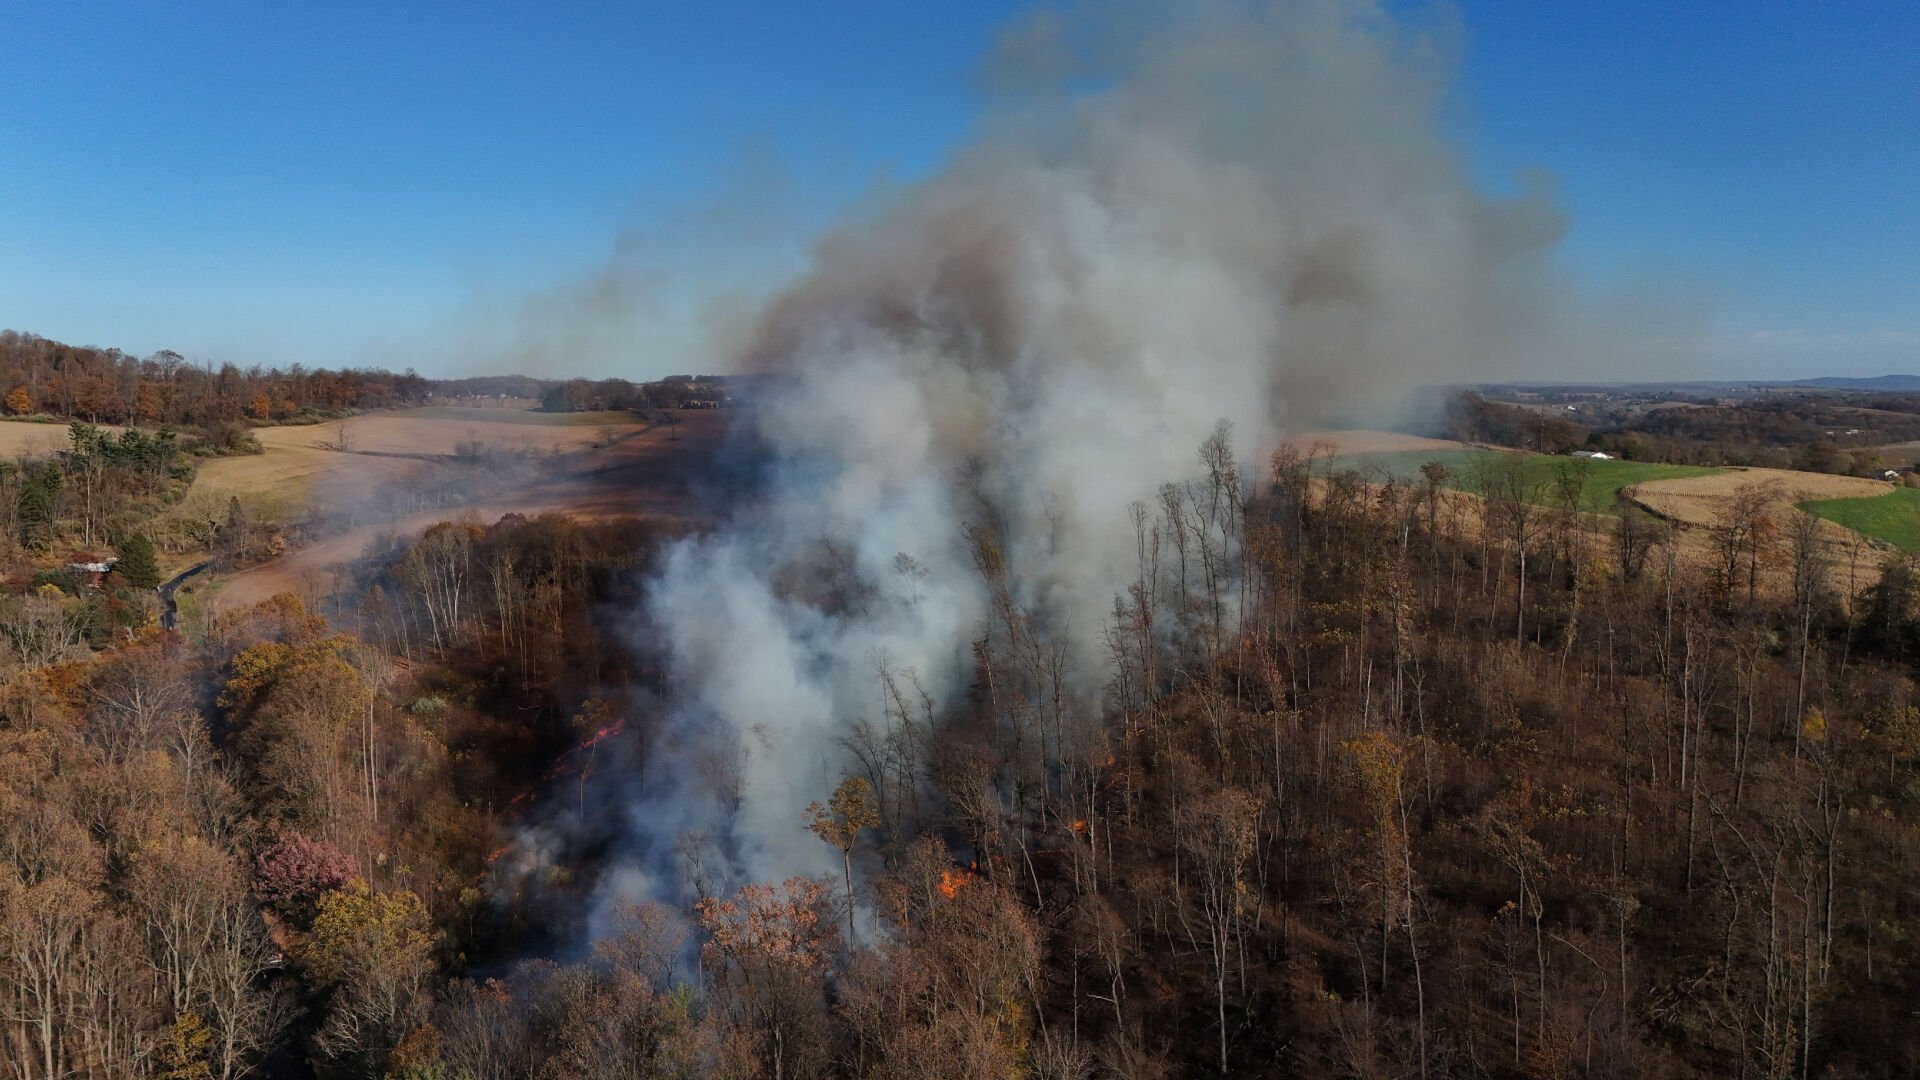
x: 169, y: 611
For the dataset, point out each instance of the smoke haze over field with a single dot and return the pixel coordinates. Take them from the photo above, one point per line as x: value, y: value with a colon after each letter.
x: 1169, y: 220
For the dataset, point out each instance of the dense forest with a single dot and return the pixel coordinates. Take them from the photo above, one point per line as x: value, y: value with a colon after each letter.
x: 1385, y: 782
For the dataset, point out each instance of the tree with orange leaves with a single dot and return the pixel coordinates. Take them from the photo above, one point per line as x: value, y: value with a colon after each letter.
x: 769, y: 951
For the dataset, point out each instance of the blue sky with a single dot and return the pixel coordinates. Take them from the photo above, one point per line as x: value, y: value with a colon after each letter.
x: 392, y: 183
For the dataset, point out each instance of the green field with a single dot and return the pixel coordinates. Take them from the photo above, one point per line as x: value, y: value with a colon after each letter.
x: 1893, y: 517
x: 1468, y: 470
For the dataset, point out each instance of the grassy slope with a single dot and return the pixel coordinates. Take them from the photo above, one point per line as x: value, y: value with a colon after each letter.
x: 1601, y: 495
x: 1893, y: 517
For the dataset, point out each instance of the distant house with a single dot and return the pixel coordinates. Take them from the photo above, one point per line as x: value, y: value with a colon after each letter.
x: 1593, y: 455
x: 91, y: 574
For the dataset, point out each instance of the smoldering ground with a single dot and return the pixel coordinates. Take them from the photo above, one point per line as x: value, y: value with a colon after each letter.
x: 1171, y: 218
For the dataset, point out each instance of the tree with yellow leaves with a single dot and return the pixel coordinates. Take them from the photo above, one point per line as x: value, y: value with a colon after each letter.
x: 840, y: 822
x: 295, y: 703
x: 1378, y: 764
x: 375, y: 951
x: 184, y: 1051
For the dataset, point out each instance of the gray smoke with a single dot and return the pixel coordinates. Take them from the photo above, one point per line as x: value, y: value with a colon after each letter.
x: 1170, y: 218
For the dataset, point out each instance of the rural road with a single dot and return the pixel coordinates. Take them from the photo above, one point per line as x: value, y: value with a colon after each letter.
x: 169, y: 611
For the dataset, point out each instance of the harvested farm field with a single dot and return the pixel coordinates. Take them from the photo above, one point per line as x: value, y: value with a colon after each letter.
x: 1901, y: 455
x: 1699, y: 500
x: 30, y: 437
x: 655, y: 473
x: 382, y: 448
x: 433, y: 431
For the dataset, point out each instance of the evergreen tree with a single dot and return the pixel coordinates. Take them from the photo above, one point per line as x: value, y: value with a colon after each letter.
x: 38, y: 504
x: 232, y: 539
x: 137, y: 564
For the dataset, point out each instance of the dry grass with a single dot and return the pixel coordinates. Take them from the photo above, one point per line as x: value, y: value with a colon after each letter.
x: 405, y: 433
x: 652, y: 474
x: 23, y: 437
x: 299, y: 463
x: 1900, y: 455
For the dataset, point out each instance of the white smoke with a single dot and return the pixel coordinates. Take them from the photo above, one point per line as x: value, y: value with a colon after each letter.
x: 1226, y: 212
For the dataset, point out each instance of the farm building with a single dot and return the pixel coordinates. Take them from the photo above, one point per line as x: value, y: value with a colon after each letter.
x: 1593, y: 455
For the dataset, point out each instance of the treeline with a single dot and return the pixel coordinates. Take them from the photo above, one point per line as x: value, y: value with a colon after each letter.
x: 1793, y: 420
x: 39, y: 377
x: 107, y: 386
x: 1813, y: 433
x: 673, y: 392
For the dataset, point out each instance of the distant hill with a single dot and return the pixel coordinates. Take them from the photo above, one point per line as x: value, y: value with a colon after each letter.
x: 1890, y: 383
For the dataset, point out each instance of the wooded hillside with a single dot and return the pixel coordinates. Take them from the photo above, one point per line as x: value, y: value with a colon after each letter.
x: 1381, y: 785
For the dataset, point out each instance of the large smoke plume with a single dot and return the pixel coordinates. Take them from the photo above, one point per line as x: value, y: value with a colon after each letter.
x: 1167, y: 220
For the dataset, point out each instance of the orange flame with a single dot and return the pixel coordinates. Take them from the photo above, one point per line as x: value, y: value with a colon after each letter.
x: 951, y: 880
x: 607, y: 732
x: 1080, y: 826
x: 494, y: 855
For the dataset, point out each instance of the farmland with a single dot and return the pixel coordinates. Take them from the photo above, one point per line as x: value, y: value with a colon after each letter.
x: 648, y: 472
x: 302, y: 461
x: 1699, y: 500
x: 1470, y: 470
x: 1892, y: 518
x: 19, y: 437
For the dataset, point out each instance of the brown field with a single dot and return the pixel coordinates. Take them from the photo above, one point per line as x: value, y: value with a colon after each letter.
x: 22, y: 437
x: 388, y: 448
x: 1366, y: 442
x: 429, y: 431
x: 653, y: 473
x: 1699, y: 500
x: 1900, y: 455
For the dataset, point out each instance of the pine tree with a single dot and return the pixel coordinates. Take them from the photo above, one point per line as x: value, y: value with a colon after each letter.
x: 38, y: 499
x: 137, y: 564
